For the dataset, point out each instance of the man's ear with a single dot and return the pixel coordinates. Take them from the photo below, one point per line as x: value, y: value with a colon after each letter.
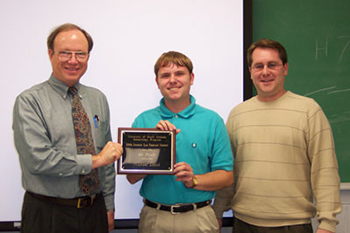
x: 250, y: 72
x: 51, y: 53
x: 157, y: 82
x: 285, y: 69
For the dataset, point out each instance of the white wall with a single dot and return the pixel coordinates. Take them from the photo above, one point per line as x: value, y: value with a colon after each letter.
x: 344, y: 216
x: 129, y: 36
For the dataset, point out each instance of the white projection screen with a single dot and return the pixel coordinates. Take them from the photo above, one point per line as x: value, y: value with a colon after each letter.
x: 129, y: 36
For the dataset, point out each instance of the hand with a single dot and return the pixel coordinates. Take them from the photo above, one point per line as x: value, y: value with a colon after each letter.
x: 166, y: 126
x: 184, y: 173
x: 110, y: 218
x: 109, y: 154
x: 323, y: 231
x: 133, y: 178
x: 220, y: 223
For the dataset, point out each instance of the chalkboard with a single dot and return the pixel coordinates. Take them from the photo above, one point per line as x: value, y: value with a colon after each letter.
x: 316, y: 35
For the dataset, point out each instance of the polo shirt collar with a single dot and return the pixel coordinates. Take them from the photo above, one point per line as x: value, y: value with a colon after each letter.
x: 186, y: 113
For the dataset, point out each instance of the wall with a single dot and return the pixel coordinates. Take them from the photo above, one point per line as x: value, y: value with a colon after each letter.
x: 129, y: 36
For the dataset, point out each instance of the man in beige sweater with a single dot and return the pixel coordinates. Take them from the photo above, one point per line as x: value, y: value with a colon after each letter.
x: 284, y: 155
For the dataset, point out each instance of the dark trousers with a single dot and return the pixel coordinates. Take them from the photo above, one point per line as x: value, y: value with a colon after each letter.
x: 243, y: 227
x: 40, y: 216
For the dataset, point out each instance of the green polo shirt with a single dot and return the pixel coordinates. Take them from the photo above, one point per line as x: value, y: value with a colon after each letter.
x: 203, y: 143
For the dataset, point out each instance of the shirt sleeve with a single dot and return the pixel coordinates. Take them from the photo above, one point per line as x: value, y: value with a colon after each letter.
x: 36, y: 151
x: 108, y: 190
x: 223, y: 197
x: 325, y: 179
x: 222, y: 201
x: 222, y: 153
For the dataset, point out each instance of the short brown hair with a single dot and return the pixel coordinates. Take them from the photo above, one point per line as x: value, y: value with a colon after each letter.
x: 68, y: 27
x: 267, y: 43
x: 173, y: 57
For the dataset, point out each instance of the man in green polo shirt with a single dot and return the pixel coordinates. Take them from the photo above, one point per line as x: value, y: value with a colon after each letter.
x: 204, y: 161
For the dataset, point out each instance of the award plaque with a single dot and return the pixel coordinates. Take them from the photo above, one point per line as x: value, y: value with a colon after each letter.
x: 146, y: 151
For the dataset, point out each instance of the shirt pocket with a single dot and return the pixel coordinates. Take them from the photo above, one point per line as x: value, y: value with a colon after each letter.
x: 100, y: 134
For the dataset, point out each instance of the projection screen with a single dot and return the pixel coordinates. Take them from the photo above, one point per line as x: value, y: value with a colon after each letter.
x: 129, y: 36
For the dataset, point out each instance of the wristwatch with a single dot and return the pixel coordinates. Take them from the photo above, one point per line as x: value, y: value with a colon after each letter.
x: 195, y: 181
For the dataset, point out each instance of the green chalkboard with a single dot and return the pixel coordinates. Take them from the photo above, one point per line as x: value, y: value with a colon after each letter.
x: 316, y: 35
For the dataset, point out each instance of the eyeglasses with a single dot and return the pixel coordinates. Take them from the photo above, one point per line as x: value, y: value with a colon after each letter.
x: 270, y: 66
x: 67, y: 55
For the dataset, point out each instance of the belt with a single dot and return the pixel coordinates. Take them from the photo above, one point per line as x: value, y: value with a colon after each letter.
x: 177, y: 208
x: 79, y: 202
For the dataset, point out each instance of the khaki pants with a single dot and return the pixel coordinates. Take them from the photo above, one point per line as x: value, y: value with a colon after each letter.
x: 202, y: 220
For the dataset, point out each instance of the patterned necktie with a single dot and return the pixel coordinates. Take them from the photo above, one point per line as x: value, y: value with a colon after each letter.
x: 85, y: 145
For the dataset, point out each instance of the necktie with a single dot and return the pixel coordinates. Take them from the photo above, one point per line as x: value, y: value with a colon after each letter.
x: 85, y: 144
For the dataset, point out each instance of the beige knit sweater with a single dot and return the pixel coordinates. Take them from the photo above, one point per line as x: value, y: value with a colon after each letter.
x: 284, y: 158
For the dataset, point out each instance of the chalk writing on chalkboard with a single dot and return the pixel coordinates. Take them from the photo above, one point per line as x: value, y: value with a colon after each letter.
x: 320, y: 90
x: 322, y: 47
x: 317, y: 39
x: 347, y: 38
